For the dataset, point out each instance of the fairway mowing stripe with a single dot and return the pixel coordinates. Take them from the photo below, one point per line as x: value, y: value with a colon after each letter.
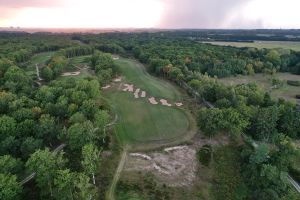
x: 156, y: 83
x: 156, y: 130
x: 163, y: 134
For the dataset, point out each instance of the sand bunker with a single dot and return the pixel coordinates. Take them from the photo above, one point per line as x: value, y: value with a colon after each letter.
x: 165, y: 102
x: 179, y: 104
x: 116, y: 58
x: 153, y: 101
x: 128, y: 88
x: 106, y: 87
x: 144, y: 156
x: 175, y: 148
x: 175, y: 166
x: 136, y: 93
x: 70, y: 74
x: 117, y: 79
x: 160, y: 170
x: 143, y: 94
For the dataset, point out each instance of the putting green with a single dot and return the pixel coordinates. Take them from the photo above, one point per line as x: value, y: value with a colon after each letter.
x: 139, y: 121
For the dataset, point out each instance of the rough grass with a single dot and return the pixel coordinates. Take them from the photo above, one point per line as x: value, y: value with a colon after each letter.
x: 139, y: 121
x: 131, y: 195
x: 227, y: 173
x: 262, y: 44
x: 143, y: 186
x: 286, y: 91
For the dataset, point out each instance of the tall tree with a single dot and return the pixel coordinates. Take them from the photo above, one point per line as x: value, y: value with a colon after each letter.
x: 10, y: 189
x: 9, y: 164
x: 85, y: 190
x: 210, y: 121
x: 45, y: 164
x: 64, y: 185
x: 264, y: 123
x: 90, y: 160
x: 81, y: 134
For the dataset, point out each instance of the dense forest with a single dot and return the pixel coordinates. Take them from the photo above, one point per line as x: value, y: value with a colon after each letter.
x: 185, y: 58
x: 66, y: 113
x: 35, y: 120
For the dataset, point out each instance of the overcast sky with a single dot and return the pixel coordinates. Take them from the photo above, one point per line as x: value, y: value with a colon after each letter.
x: 150, y: 13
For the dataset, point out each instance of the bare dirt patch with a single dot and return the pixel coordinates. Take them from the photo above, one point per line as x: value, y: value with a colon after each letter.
x: 144, y: 156
x: 71, y: 73
x: 106, y: 87
x: 174, y: 166
x: 119, y: 79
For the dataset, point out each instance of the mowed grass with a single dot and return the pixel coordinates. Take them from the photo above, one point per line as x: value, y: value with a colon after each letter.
x: 139, y: 121
x: 135, y: 73
x: 40, y: 59
x: 287, y: 92
x: 262, y: 44
x: 79, y: 59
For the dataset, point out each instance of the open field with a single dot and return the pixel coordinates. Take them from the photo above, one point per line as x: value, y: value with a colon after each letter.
x: 39, y: 59
x: 135, y: 73
x: 79, y: 59
x: 286, y: 91
x: 262, y: 44
x: 140, y: 121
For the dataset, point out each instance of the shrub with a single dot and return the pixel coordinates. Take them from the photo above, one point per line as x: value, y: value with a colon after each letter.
x: 276, y: 83
x: 293, y: 83
x: 204, y: 155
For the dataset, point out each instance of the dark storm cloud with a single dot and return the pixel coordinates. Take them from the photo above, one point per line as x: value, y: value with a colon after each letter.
x: 199, y: 13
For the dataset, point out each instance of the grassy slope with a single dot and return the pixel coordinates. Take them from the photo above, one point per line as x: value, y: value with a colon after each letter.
x: 286, y: 91
x: 141, y: 122
x: 136, y: 74
x: 39, y: 59
x: 262, y: 44
x: 79, y: 60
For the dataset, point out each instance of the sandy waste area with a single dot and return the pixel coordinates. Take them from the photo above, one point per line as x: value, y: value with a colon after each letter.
x: 175, y: 166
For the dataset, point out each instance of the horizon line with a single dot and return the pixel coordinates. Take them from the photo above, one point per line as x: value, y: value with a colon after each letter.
x: 145, y: 28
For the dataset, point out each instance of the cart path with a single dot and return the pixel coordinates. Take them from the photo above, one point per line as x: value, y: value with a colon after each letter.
x: 111, y: 191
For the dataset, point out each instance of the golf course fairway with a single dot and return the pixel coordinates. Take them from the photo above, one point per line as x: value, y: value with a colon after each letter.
x: 139, y: 121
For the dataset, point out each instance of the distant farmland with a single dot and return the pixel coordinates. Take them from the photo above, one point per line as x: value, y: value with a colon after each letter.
x: 262, y: 44
x: 286, y: 91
